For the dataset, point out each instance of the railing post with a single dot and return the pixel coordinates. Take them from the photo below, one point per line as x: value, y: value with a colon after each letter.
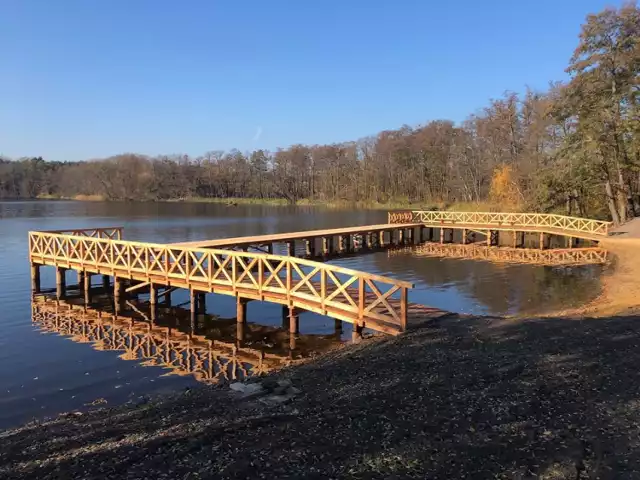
x: 261, y: 273
x: 404, y: 300
x: 361, y: 298
x: 187, y: 265
x: 234, y: 271
x: 289, y: 280
x: 323, y: 288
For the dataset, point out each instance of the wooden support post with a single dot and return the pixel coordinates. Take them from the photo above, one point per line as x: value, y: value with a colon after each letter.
x: 61, y: 282
x: 310, y: 246
x: 381, y: 239
x: 341, y: 244
x: 153, y: 302
x: 202, y: 303
x: 291, y: 248
x: 493, y: 238
x: 441, y: 235
x: 153, y: 313
x: 464, y: 236
x: 240, y: 334
x: 292, y: 344
x: 400, y: 236
x: 369, y: 240
x: 542, y: 241
x: 118, y: 288
x: 193, y: 310
x: 118, y: 294
x: 350, y: 247
x: 325, y: 246
x: 404, y: 307
x: 80, y: 274
x: 410, y: 236
x: 86, y: 283
x: 285, y: 317
x: 515, y: 239
x: 241, y: 310
x: 270, y: 248
x: 294, y: 321
x: 167, y: 297
x: 153, y: 294
x: 521, y: 240
x: 356, y: 334
x: 35, y: 278
x: 570, y: 242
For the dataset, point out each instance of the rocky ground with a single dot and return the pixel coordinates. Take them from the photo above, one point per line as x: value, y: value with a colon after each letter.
x: 477, y: 398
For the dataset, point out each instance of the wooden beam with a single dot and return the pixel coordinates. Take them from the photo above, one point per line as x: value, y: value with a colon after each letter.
x: 137, y: 287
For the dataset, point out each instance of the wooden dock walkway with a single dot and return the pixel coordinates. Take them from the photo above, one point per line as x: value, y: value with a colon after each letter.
x: 545, y: 223
x: 227, y: 267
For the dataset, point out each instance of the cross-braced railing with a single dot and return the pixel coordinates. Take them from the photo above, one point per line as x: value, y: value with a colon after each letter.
x: 208, y: 362
x: 542, y: 221
x: 111, y: 233
x: 345, y: 294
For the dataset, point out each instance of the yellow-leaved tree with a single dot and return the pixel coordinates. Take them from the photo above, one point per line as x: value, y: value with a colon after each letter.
x: 504, y: 188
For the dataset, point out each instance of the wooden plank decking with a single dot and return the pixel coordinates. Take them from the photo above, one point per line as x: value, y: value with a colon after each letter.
x: 285, y: 237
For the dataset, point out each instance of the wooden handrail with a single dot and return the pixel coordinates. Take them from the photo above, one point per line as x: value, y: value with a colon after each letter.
x: 570, y: 225
x: 114, y: 233
x: 320, y: 287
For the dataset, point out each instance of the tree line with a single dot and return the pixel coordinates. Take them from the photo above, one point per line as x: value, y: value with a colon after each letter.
x: 573, y: 148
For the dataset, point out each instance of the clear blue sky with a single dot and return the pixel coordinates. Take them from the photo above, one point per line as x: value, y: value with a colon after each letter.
x: 86, y: 78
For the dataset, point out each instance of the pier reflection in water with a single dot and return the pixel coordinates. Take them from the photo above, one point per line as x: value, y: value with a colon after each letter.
x: 212, y: 350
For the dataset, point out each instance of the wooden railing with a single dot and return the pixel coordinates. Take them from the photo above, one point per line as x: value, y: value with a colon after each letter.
x: 345, y: 294
x: 112, y: 233
x: 483, y: 219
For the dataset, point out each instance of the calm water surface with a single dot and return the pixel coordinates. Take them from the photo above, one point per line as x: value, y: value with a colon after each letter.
x: 44, y: 373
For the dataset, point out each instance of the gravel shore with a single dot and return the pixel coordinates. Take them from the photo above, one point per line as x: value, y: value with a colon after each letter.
x: 554, y: 398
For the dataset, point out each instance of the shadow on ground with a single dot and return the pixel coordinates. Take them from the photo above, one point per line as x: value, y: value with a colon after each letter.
x: 466, y: 398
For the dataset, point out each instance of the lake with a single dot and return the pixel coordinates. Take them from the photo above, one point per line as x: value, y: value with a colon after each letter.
x: 43, y: 372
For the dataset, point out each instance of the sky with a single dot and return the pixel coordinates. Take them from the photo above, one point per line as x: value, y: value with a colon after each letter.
x: 83, y: 79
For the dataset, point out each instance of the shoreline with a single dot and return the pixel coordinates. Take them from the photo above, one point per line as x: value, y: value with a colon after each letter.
x: 281, y: 202
x: 462, y: 397
x: 429, y: 403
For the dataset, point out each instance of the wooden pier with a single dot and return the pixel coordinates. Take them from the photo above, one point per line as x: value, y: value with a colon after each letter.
x: 247, y: 268
x: 490, y: 224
